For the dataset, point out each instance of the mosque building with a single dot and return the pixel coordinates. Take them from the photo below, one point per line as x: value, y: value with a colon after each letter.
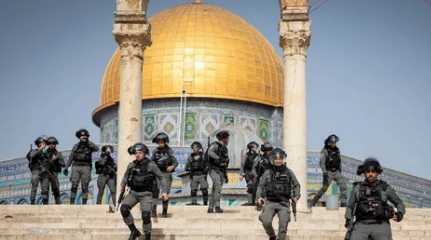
x: 206, y: 69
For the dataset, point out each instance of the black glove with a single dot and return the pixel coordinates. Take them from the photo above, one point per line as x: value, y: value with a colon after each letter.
x: 398, y: 216
x: 347, y: 223
x: 65, y: 172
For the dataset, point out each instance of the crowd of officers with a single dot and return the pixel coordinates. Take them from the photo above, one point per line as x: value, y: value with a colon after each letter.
x: 271, y: 185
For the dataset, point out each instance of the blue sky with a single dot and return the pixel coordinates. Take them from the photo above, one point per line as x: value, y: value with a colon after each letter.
x: 368, y: 72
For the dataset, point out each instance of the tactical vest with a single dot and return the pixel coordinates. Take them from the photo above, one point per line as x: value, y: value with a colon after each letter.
x: 162, y: 158
x: 333, y: 159
x: 249, y: 162
x: 279, y: 188
x: 34, y: 162
x: 82, y: 154
x: 370, y: 205
x: 262, y: 165
x: 140, y: 179
x: 223, y: 160
x: 197, y: 165
x: 106, y: 167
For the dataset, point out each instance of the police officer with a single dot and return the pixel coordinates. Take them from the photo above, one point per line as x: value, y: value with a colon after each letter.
x: 277, y: 187
x: 34, y: 157
x: 264, y: 162
x: 165, y: 159
x: 218, y: 160
x: 248, y: 171
x: 368, y: 211
x: 198, y: 169
x: 140, y: 176
x: 51, y: 164
x: 81, y: 160
x: 107, y: 170
x: 330, y: 163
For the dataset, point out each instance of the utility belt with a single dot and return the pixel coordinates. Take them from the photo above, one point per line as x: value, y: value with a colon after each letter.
x: 372, y: 221
x: 75, y: 163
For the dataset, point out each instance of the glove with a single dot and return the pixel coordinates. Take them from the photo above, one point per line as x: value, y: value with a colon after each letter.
x: 398, y: 216
x: 325, y: 177
x: 347, y: 223
x: 65, y: 172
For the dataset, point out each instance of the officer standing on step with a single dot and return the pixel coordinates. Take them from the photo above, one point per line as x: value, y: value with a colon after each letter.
x: 248, y: 171
x: 198, y: 169
x: 81, y: 160
x: 368, y: 211
x: 51, y: 164
x: 165, y: 159
x: 140, y: 176
x: 34, y: 157
x: 218, y: 160
x: 277, y: 187
x: 330, y: 163
x: 107, y: 170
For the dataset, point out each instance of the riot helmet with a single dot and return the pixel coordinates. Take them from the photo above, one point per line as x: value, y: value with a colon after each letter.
x: 161, y: 137
x: 370, y: 164
x: 277, y: 154
x: 41, y: 139
x: 82, y: 132
x: 52, y: 141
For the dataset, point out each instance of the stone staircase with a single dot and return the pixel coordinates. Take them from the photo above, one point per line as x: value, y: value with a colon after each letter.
x: 91, y: 222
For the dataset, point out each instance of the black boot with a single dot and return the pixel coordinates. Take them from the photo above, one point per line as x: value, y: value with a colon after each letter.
x: 210, y: 210
x: 32, y: 202
x: 134, y: 232
x: 218, y: 210
x: 165, y: 209
x: 57, y: 200
x: 154, y: 211
x: 273, y: 238
x: 84, y: 201
x: 45, y: 201
x: 147, y: 236
x: 205, y: 197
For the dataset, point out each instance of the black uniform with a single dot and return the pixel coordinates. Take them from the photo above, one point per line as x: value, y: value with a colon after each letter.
x: 51, y: 164
x: 218, y: 160
x: 107, y: 170
x: 164, y: 158
x: 140, y: 177
x: 198, y: 169
x: 34, y: 157
x: 81, y: 160
x: 330, y: 163
x: 368, y: 211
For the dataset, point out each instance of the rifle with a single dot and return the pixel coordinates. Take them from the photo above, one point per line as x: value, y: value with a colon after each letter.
x: 293, y: 204
x: 350, y: 226
x: 120, y: 199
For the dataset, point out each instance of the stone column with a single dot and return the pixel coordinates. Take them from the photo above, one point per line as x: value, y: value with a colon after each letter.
x: 132, y: 33
x: 295, y: 35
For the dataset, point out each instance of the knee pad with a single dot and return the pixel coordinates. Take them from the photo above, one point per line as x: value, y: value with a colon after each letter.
x: 146, y: 217
x: 125, y: 210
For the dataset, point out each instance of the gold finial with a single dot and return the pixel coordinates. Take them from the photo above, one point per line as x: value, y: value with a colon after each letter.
x: 197, y: 1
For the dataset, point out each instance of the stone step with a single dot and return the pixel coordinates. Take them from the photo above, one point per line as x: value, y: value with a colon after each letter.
x: 93, y: 222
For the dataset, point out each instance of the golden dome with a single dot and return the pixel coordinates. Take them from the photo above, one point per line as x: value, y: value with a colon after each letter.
x: 207, y: 51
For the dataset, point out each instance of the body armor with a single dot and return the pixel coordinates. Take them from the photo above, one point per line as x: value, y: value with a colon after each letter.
x: 197, y: 165
x: 249, y: 162
x: 333, y: 159
x: 140, y: 179
x: 223, y: 160
x: 162, y: 158
x: 371, y: 205
x: 82, y: 154
x: 108, y: 168
x: 279, y: 188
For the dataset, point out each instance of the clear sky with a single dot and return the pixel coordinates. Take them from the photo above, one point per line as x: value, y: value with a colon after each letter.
x: 369, y: 72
